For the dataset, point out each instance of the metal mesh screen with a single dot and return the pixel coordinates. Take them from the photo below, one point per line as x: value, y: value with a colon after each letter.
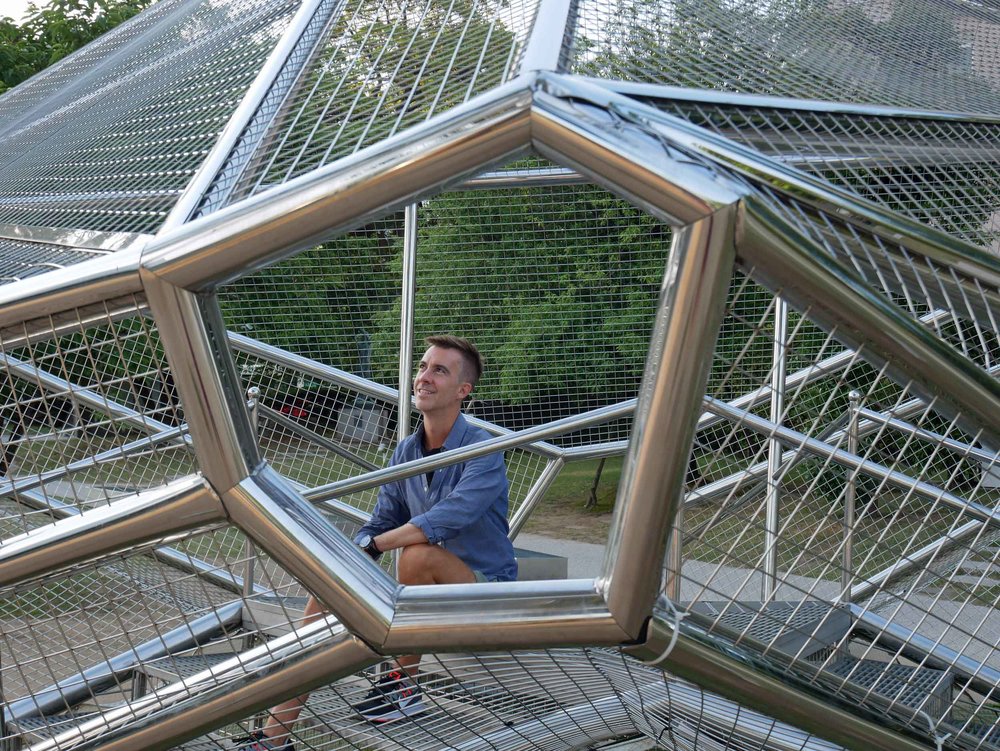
x: 380, y: 68
x: 943, y: 173
x: 112, y: 148
x: 917, y: 53
x: 89, y: 408
x: 20, y: 260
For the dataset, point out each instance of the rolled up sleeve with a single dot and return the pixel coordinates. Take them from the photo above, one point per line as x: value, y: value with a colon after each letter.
x: 482, y: 481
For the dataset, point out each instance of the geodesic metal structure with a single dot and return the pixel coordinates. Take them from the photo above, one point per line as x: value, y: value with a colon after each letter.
x: 751, y: 250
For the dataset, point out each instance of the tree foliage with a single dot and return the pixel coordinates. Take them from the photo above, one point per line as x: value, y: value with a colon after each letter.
x: 46, y: 35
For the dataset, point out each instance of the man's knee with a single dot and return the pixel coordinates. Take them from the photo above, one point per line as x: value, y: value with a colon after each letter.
x: 430, y: 564
x: 416, y: 564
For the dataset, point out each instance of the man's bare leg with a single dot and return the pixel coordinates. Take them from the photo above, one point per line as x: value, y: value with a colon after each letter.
x: 418, y: 564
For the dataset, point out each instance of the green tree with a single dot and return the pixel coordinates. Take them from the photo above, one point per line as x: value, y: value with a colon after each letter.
x: 46, y: 35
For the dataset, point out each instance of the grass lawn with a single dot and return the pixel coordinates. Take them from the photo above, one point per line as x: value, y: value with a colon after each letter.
x: 563, y: 512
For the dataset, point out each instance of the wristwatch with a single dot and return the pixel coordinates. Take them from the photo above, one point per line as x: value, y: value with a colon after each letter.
x: 368, y: 545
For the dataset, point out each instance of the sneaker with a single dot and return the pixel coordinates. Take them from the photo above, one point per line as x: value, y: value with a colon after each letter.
x: 256, y: 741
x: 394, y: 696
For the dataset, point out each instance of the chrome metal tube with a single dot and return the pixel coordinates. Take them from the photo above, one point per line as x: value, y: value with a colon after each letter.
x: 541, y: 177
x: 195, y: 343
x: 694, y: 657
x: 79, y: 286
x: 489, y: 446
x: 22, y: 484
x: 959, y: 447
x: 844, y: 458
x: 913, y: 561
x: 180, y: 506
x: 545, y: 46
x: 675, y: 558
x: 670, y: 183
x: 86, y: 397
x: 534, y: 495
x: 926, y: 651
x: 273, y: 69
x: 407, y: 303
x: 272, y: 225
x: 504, y: 615
x: 334, y: 569
x: 315, y: 655
x: 786, y: 259
x: 897, y: 228
x: 769, y: 581
x: 687, y: 322
x: 85, y: 684
x: 847, y: 557
x: 595, y: 451
x: 312, y: 436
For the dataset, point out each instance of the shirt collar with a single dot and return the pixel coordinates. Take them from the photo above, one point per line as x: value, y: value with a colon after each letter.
x: 455, y: 435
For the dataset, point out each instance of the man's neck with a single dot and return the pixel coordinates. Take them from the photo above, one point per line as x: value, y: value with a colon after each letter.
x: 437, y: 426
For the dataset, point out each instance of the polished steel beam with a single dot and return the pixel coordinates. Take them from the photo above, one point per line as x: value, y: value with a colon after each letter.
x: 710, y: 96
x: 297, y: 428
x: 532, y: 177
x: 88, y: 242
x: 914, y: 561
x: 650, y: 171
x: 785, y: 259
x: 961, y: 448
x: 923, y: 650
x: 693, y: 656
x: 269, y: 87
x: 90, y: 283
x: 493, y: 445
x: 210, y: 573
x: 195, y: 342
x: 272, y: 225
x: 327, y: 563
x: 315, y: 655
x: 408, y: 301
x: 802, y: 442
x: 534, y: 495
x: 180, y: 506
x: 501, y: 615
x: 681, y: 345
x: 545, y: 49
x: 896, y: 228
x: 84, y: 685
x: 774, y: 450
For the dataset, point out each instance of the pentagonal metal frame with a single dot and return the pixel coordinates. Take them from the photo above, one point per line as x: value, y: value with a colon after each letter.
x: 197, y: 257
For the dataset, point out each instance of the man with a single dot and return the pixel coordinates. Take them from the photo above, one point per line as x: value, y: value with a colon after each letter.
x: 450, y: 525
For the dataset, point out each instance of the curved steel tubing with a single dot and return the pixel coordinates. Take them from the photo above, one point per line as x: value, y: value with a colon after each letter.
x: 79, y: 286
x: 803, y: 442
x: 180, y: 506
x: 784, y: 259
x: 253, y: 233
x: 939, y: 246
x: 508, y: 440
x: 327, y: 563
x: 508, y: 615
x: 84, y: 685
x: 195, y: 344
x: 695, y: 657
x: 315, y: 655
x: 649, y: 171
x: 669, y: 405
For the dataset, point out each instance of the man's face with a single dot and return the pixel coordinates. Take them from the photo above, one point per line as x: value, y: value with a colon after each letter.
x: 440, y: 384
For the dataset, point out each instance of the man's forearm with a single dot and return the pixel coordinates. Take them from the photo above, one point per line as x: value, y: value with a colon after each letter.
x: 400, y: 537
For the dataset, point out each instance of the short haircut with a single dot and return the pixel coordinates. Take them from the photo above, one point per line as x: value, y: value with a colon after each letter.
x: 473, y: 361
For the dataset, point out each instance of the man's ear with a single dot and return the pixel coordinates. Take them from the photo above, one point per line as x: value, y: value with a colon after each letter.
x: 465, y: 389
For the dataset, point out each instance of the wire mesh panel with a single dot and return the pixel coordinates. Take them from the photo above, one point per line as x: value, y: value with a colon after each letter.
x: 89, y: 409
x: 939, y: 172
x: 20, y: 260
x: 113, y: 147
x: 927, y: 55
x: 382, y: 67
x: 878, y: 510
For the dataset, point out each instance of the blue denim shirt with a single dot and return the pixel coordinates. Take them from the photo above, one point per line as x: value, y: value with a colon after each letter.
x: 464, y: 509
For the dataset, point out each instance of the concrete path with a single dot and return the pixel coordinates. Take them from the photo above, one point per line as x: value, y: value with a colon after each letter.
x: 584, y: 559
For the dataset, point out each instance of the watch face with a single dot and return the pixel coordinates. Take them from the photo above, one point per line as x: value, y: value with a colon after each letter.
x: 365, y: 541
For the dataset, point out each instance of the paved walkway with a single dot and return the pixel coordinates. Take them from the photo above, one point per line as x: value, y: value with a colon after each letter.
x: 584, y: 559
